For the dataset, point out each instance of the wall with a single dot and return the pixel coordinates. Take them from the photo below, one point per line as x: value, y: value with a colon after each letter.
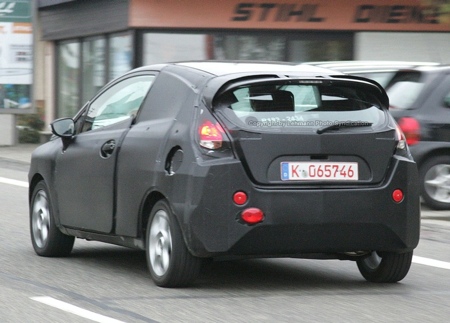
x: 83, y: 18
x: 8, y: 132
x: 403, y: 46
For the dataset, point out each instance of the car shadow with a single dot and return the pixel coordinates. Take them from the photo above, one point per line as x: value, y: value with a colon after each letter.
x: 105, y: 256
x: 282, y: 274
x: 277, y: 273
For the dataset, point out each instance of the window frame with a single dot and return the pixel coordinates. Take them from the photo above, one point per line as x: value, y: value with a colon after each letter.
x: 83, y: 116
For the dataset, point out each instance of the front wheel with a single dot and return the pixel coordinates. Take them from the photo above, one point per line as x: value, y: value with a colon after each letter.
x: 46, y: 238
x: 386, y: 267
x: 169, y: 261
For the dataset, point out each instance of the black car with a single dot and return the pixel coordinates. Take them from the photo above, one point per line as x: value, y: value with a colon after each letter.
x: 228, y: 160
x: 420, y: 101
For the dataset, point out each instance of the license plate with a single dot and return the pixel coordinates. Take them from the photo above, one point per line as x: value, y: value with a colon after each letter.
x: 308, y: 171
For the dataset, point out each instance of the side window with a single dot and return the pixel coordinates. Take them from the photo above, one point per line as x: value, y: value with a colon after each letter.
x: 447, y: 95
x: 447, y: 100
x: 119, y: 102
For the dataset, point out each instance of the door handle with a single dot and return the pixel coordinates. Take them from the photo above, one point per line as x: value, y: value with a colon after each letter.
x: 108, y: 148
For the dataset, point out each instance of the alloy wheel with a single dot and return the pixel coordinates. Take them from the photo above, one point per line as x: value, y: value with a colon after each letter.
x: 437, y: 183
x: 160, y: 243
x: 40, y: 219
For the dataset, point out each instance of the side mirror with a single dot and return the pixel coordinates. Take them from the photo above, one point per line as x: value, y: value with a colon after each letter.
x: 64, y: 128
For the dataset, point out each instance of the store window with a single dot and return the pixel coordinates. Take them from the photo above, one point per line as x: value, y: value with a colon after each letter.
x: 68, y: 78
x: 83, y: 68
x: 120, y: 55
x: 165, y: 47
x: 320, y: 47
x: 289, y: 46
x: 93, y: 61
x: 250, y: 47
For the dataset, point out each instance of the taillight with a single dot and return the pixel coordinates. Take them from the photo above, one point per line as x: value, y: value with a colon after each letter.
x: 401, y: 140
x: 411, y: 130
x: 210, y: 135
x: 402, y: 148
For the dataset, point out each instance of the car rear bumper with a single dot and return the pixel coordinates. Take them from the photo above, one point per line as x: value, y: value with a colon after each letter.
x: 298, y: 221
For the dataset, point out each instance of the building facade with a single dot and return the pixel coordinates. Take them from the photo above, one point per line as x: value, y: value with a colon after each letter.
x: 81, y: 45
x: 15, y: 64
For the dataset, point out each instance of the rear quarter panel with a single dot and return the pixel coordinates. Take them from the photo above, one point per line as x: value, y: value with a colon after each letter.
x: 165, y: 123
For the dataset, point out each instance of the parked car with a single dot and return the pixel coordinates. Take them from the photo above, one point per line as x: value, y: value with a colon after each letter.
x: 420, y: 101
x: 223, y: 160
x: 379, y: 71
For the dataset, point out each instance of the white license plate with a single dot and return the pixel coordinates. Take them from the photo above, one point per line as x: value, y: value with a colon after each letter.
x: 307, y: 171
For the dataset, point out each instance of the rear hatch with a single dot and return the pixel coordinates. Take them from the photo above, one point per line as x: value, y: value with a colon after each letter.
x: 309, y: 131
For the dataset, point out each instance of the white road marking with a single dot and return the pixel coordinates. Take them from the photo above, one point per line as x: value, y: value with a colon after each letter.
x: 13, y: 182
x: 75, y: 310
x: 431, y: 262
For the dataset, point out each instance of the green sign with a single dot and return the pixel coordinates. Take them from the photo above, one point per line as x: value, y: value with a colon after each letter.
x: 15, y: 11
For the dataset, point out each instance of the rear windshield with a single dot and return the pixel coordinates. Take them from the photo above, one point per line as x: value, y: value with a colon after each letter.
x: 404, y: 89
x: 297, y: 107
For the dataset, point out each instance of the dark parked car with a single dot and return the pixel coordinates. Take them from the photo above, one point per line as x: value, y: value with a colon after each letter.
x: 224, y: 160
x: 379, y: 71
x: 420, y: 101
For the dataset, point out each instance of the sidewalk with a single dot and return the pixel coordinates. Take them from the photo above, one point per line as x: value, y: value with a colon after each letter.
x: 19, y: 152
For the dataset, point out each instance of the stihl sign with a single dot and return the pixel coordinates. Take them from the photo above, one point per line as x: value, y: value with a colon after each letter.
x: 345, y: 15
x: 310, y: 12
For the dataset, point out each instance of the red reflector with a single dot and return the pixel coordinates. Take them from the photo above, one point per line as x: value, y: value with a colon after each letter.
x: 210, y: 135
x: 252, y: 215
x: 411, y: 129
x: 240, y: 198
x: 397, y: 195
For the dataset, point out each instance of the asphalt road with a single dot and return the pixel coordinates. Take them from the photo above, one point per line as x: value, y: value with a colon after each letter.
x: 105, y: 283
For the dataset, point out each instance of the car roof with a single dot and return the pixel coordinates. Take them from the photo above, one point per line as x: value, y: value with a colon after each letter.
x: 369, y: 65
x: 221, y: 68
x: 428, y: 68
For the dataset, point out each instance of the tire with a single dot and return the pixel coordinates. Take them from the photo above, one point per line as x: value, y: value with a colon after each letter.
x: 46, y: 238
x: 386, y: 267
x: 435, y: 182
x: 168, y: 259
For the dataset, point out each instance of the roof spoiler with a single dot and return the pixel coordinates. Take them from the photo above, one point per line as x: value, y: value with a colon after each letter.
x: 385, y: 97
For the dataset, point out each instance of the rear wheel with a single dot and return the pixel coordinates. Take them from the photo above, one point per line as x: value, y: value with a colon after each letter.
x: 435, y: 181
x: 169, y: 261
x: 386, y: 267
x: 46, y: 238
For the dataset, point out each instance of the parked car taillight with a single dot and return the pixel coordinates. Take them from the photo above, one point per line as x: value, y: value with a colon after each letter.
x: 411, y: 129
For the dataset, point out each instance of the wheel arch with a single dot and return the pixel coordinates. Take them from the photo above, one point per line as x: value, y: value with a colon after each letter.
x: 434, y: 153
x: 149, y: 202
x: 34, y: 181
